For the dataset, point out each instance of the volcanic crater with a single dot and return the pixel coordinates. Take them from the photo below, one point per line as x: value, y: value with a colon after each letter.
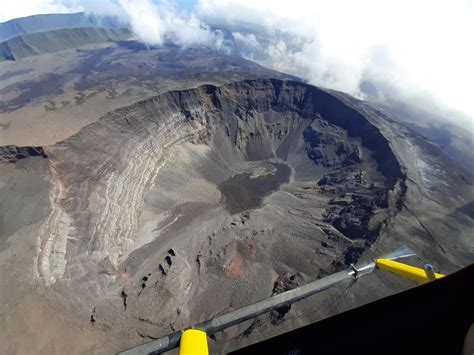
x: 194, y: 202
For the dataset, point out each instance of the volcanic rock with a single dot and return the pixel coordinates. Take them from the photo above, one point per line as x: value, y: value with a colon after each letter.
x: 162, y: 188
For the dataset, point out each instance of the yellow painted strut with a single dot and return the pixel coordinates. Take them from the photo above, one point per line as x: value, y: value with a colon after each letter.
x: 193, y: 342
x: 411, y: 272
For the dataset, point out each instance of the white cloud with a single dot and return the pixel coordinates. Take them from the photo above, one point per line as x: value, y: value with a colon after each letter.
x: 428, y: 44
x: 154, y: 23
x: 20, y: 8
x: 247, y: 39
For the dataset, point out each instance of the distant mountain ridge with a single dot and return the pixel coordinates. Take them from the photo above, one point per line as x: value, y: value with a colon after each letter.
x: 47, y: 22
x: 57, y: 40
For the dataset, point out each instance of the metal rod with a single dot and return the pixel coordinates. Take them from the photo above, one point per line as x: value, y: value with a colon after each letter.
x: 280, y: 300
x: 227, y: 320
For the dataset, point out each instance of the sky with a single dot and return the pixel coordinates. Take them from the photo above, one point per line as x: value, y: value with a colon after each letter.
x: 421, y: 49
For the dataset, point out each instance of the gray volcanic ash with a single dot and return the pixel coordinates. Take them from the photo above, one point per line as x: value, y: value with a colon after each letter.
x: 166, y: 212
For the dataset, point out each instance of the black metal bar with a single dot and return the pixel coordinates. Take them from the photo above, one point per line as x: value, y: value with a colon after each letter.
x: 227, y: 320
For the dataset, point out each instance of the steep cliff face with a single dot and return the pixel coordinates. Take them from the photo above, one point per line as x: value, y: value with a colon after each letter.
x: 49, y: 22
x: 58, y: 40
x: 171, y: 210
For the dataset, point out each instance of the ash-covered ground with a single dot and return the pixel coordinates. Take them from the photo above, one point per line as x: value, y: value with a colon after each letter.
x: 185, y: 205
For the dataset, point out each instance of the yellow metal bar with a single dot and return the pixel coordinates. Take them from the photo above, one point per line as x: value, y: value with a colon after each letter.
x: 193, y: 342
x: 411, y: 272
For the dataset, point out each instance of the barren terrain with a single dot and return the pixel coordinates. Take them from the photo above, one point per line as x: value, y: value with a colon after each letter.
x: 176, y: 208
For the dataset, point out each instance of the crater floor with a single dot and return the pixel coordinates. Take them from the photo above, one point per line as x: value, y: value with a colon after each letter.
x: 245, y: 191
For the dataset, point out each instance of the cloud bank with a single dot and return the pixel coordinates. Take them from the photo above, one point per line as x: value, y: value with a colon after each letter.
x: 156, y: 23
x: 417, y: 48
x: 21, y: 8
x: 416, y: 51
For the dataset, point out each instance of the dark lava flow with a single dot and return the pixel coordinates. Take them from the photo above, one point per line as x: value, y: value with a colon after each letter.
x: 242, y: 192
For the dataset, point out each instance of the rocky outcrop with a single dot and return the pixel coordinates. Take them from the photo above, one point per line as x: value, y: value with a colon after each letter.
x: 11, y: 153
